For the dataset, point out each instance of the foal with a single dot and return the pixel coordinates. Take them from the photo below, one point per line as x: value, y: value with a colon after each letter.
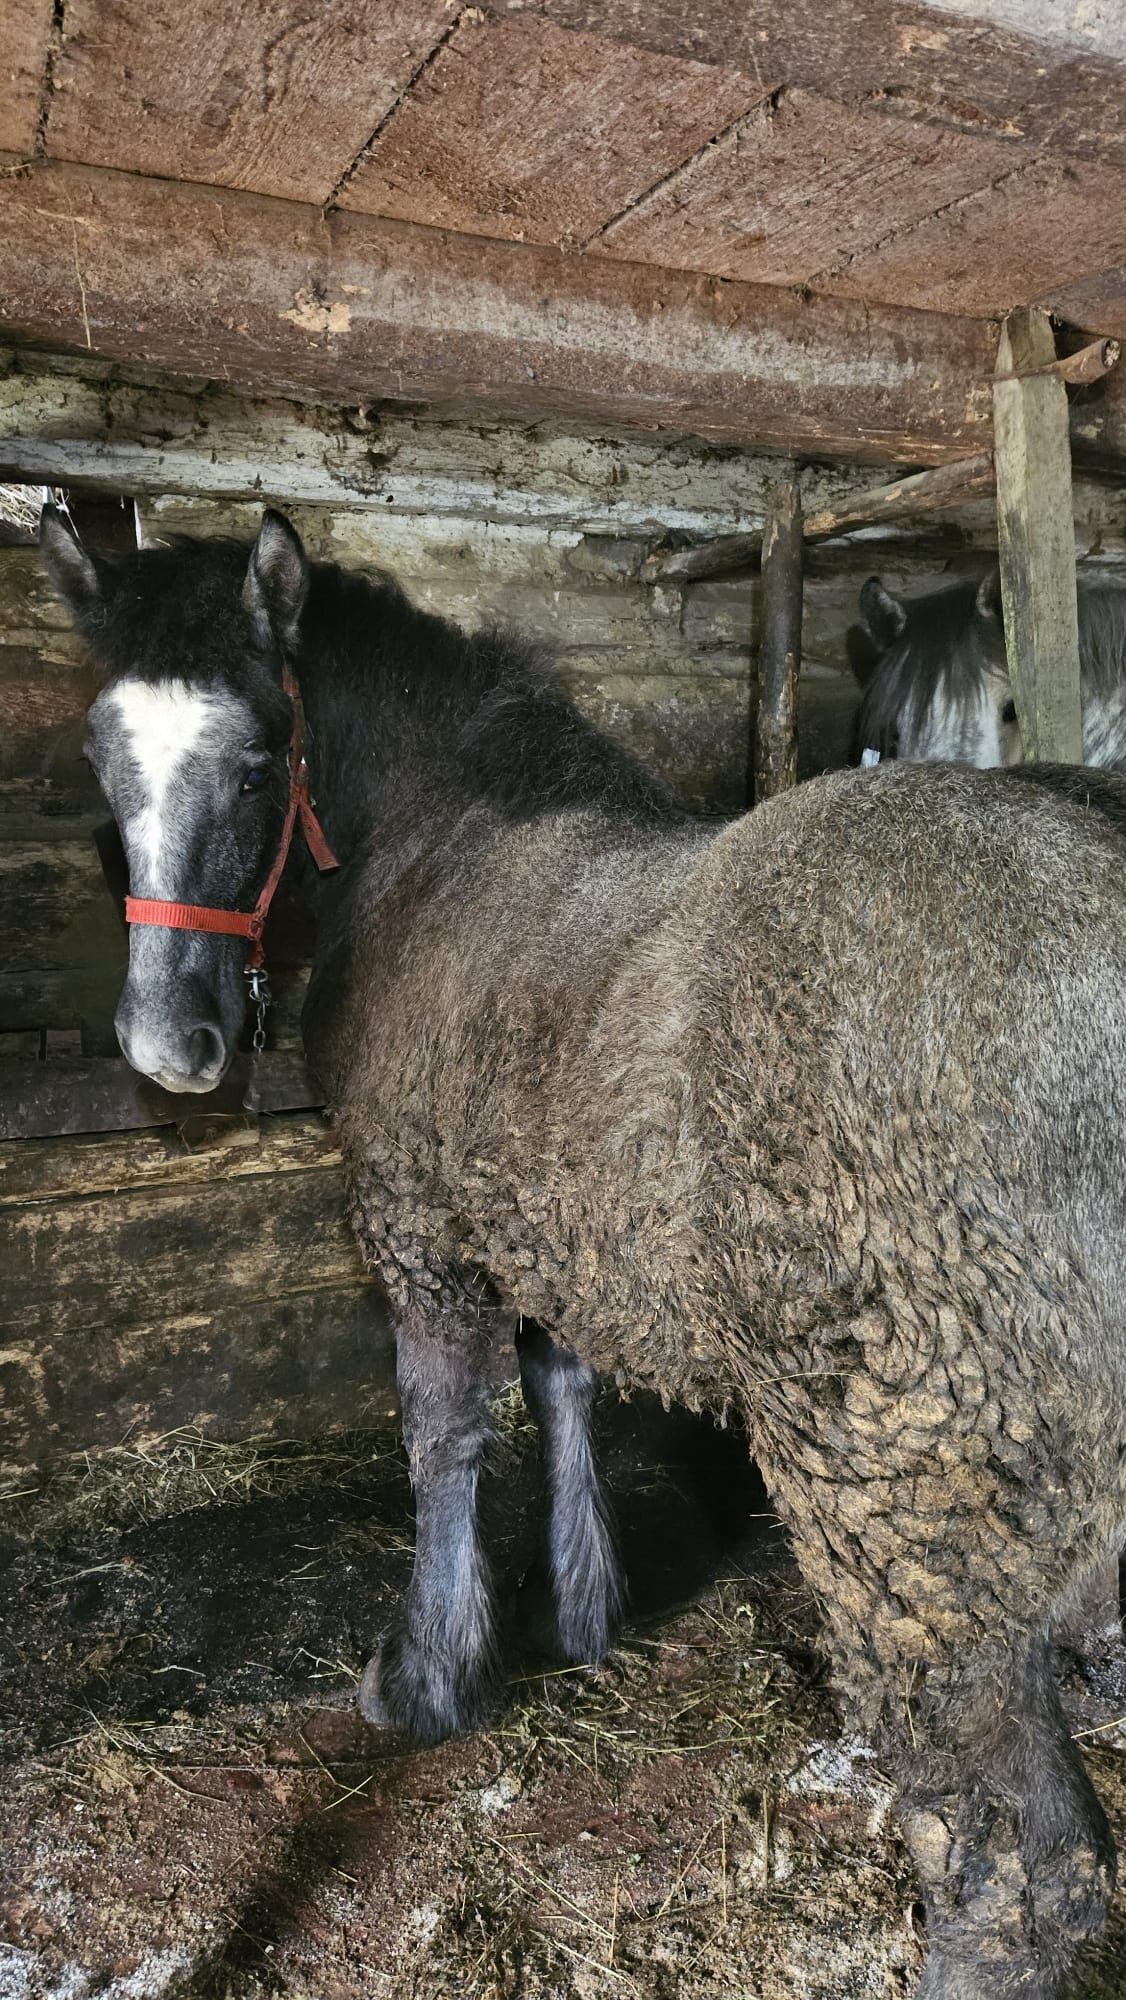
x: 820, y: 1116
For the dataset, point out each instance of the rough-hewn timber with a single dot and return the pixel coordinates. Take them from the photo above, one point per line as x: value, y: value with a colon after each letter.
x: 76, y: 422
x: 275, y: 297
x: 202, y: 1277
x: 776, y: 721
x: 793, y: 190
x: 256, y: 94
x: 46, y: 1099
x: 974, y: 69
x: 25, y: 38
x: 1033, y: 466
x: 901, y: 500
x: 521, y: 130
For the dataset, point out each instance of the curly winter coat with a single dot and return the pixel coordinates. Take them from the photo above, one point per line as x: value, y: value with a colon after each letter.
x: 819, y: 1115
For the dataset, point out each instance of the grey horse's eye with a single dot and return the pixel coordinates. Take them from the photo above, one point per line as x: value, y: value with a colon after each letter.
x: 254, y: 778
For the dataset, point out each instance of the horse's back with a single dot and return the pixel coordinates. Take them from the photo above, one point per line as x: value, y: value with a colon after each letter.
x: 929, y: 961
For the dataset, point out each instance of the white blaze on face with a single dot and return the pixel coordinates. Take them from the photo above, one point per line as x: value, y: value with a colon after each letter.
x: 163, y: 723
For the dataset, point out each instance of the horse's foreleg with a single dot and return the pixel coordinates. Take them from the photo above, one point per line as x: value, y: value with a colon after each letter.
x: 560, y: 1391
x: 435, y: 1671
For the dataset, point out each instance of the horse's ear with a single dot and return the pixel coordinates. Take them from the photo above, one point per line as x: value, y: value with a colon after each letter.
x: 883, y: 614
x: 862, y: 653
x: 277, y: 580
x: 988, y: 601
x: 81, y: 581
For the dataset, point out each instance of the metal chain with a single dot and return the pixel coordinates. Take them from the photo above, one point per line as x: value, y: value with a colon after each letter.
x: 260, y: 997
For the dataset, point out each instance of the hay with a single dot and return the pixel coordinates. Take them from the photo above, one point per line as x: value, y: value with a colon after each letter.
x: 21, y: 506
x: 133, y: 1484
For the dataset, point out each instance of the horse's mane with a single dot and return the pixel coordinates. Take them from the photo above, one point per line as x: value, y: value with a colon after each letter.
x: 1102, y: 636
x: 492, y: 700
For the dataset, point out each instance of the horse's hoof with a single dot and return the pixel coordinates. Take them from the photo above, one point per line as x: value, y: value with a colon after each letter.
x: 369, y: 1697
x: 404, y: 1689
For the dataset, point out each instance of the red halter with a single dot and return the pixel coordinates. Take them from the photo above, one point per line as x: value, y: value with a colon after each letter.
x: 251, y: 923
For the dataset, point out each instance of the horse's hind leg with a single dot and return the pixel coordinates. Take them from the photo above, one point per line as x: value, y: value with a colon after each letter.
x: 1017, y: 1864
x: 1066, y: 1842
x: 560, y: 1391
x: 436, y: 1670
x: 1013, y: 1849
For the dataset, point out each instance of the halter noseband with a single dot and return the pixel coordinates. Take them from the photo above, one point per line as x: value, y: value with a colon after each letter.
x: 251, y: 923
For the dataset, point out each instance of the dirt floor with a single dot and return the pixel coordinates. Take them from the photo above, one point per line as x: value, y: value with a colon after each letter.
x: 191, y: 1806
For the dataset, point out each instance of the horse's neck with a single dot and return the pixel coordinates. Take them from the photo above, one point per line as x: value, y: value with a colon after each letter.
x: 364, y: 792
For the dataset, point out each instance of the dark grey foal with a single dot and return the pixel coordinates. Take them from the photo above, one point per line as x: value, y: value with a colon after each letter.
x: 436, y: 1669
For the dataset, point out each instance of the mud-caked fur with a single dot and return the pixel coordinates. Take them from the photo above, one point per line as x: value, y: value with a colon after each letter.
x: 819, y: 1116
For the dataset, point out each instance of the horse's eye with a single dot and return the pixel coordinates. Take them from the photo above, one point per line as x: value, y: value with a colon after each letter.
x: 254, y: 778
x: 1009, y: 712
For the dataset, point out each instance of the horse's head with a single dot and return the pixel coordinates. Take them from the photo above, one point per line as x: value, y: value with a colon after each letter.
x: 188, y: 740
x: 935, y: 676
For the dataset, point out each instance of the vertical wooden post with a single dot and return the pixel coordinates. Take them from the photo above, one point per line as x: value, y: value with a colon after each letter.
x: 1036, y: 538
x: 776, y: 731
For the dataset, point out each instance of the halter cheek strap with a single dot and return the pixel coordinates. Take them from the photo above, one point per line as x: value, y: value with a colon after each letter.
x: 251, y: 923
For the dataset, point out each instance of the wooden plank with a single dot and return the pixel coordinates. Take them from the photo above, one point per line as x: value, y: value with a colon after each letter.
x: 44, y: 694
x: 902, y: 499
x: 72, y: 422
x: 25, y: 38
x: 1093, y: 30
x: 1049, y: 223
x: 102, y: 1094
x: 1098, y: 303
x: 54, y: 901
x: 979, y: 72
x: 1035, y: 540
x: 276, y: 299
x: 1098, y: 422
x: 520, y: 130
x: 262, y: 94
x: 776, y: 741
x: 801, y: 184
x: 74, y: 1266
x: 204, y: 1146
x: 298, y: 1365
x: 693, y: 731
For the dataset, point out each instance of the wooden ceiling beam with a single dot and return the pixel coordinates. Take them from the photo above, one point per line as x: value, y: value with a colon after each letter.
x: 272, y: 297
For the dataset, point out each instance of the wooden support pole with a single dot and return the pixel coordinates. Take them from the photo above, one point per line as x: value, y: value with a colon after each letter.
x: 776, y: 730
x: 1036, y: 542
x: 1036, y: 539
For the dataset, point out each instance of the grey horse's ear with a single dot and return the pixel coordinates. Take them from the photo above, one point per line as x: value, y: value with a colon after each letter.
x: 81, y: 581
x: 883, y: 614
x: 987, y: 604
x: 277, y: 581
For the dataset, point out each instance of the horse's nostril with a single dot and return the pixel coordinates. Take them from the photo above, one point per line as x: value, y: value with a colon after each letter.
x: 208, y: 1050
